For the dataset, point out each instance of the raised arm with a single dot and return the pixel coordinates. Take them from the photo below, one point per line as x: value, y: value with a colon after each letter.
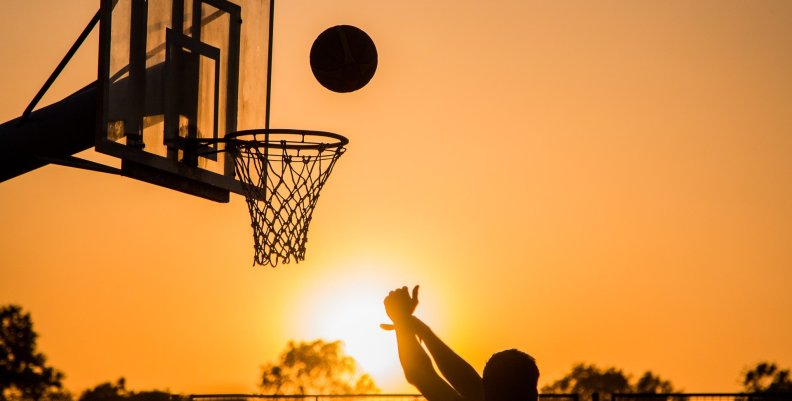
x: 465, y: 380
x: 418, y: 368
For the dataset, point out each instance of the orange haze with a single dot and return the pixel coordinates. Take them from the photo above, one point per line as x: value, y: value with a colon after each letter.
x: 603, y: 182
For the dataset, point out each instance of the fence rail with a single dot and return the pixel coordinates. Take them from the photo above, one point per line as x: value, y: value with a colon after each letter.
x: 703, y: 397
x: 349, y: 397
x: 542, y: 397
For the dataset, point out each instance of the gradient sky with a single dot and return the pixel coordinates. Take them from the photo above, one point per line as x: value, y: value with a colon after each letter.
x: 603, y: 182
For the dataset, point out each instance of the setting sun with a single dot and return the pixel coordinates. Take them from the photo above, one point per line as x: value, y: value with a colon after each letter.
x: 351, y: 311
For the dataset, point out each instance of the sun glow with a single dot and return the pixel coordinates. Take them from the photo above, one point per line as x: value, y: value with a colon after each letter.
x: 351, y: 312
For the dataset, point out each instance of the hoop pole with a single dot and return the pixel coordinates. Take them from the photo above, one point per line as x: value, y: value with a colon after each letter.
x: 269, y: 65
x: 269, y: 84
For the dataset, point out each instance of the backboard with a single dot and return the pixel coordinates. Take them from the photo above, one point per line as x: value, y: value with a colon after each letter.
x: 171, y: 71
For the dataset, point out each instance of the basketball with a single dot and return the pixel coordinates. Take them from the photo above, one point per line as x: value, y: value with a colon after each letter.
x: 343, y: 58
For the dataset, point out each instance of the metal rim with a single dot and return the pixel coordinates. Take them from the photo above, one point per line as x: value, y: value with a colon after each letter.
x: 303, y: 139
x: 263, y: 138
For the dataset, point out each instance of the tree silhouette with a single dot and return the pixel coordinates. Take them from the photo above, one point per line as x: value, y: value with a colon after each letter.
x: 117, y: 392
x: 23, y: 371
x: 316, y: 367
x: 588, y: 379
x: 766, y: 377
x: 106, y: 392
x: 649, y: 383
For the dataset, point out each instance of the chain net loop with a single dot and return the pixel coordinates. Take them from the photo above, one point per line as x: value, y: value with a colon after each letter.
x: 281, y: 178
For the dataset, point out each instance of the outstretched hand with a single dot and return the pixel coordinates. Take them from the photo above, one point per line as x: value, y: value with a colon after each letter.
x: 400, y: 306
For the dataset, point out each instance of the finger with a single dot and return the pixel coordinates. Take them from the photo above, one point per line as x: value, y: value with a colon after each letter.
x: 385, y: 326
x: 415, y: 294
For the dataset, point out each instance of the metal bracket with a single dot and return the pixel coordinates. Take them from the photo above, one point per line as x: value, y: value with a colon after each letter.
x: 76, y: 162
x: 60, y: 67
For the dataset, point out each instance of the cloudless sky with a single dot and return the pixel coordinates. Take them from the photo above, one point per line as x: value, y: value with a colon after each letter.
x: 603, y: 182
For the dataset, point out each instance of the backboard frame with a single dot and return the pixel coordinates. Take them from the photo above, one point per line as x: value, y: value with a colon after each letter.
x: 177, y: 167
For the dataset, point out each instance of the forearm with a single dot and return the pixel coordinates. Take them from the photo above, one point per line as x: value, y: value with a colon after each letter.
x: 413, y: 358
x: 418, y: 368
x: 462, y: 376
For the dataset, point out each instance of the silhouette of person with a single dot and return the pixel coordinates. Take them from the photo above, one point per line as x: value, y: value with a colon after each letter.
x: 509, y: 375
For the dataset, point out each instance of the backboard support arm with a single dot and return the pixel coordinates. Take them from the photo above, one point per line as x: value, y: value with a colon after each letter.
x: 76, y: 162
x: 84, y: 35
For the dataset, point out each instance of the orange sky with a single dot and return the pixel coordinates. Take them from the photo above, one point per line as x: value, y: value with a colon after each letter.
x: 603, y: 182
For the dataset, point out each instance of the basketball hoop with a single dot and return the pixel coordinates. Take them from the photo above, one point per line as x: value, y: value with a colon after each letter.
x: 282, y: 172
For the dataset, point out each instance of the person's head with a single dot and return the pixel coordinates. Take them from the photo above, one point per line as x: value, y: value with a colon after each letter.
x: 511, y: 375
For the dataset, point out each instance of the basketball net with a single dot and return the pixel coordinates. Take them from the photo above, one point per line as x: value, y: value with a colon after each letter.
x: 281, y: 178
